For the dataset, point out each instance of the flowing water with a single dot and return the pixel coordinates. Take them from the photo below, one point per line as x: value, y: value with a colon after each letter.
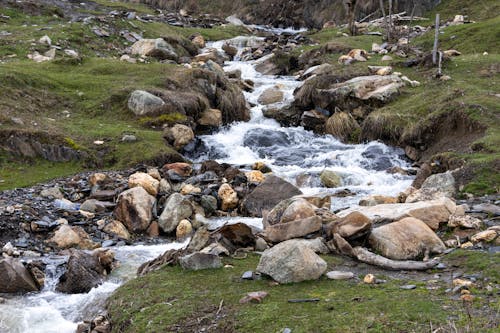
x: 292, y: 153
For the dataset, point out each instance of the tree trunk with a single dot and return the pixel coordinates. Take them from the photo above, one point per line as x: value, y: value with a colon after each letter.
x: 368, y: 257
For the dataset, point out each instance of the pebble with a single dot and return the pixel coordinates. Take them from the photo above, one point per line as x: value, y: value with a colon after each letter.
x: 408, y: 287
x: 108, y: 243
x: 248, y: 275
x: 339, y: 275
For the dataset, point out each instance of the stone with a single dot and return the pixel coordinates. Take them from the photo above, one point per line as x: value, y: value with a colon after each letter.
x: 45, y: 40
x: 255, y: 176
x: 330, y: 179
x: 380, y: 70
x: 268, y: 194
x: 53, y: 192
x: 200, y: 239
x: 190, y: 189
x: 370, y: 279
x: 352, y: 225
x: 153, y: 229
x: 254, y: 296
x: 265, y: 65
x: 178, y: 135
x: 147, y: 182
x: 290, y: 210
x: 95, y: 206
x: 198, y: 41
x: 294, y: 229
x: 431, y: 212
x: 116, y: 228
x: 261, y: 244
x: 156, y: 48
x: 85, y: 271
x: 386, y: 58
x: 209, y: 204
x: 198, y: 261
x: 464, y: 221
x: 434, y: 187
x: 134, y: 208
x: 358, y: 55
x: 72, y: 236
x: 98, y: 179
x: 15, y: 278
x: 184, y: 229
x: 339, y: 275
x: 374, y: 200
x: 230, y: 50
x: 291, y: 261
x: 406, y: 239
x: 271, y: 96
x: 237, y: 235
x: 228, y: 197
x: 177, y: 208
x: 211, y: 118
x: 484, y: 236
x: 182, y: 169
x: 142, y: 103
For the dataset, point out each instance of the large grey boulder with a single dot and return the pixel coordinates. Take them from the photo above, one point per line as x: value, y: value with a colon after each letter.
x: 435, y: 187
x: 15, y: 278
x: 291, y: 261
x: 142, y: 103
x: 294, y: 229
x: 406, y: 239
x: 177, y: 208
x: 134, y: 209
x: 268, y: 194
x: 270, y: 96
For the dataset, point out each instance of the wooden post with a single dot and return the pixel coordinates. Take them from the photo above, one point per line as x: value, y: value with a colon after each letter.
x: 436, y: 41
x: 390, y: 19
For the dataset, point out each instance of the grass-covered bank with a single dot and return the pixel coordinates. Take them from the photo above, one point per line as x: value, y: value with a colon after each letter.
x: 75, y: 102
x: 174, y: 300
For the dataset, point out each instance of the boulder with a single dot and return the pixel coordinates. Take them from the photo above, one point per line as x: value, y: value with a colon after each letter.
x: 267, y: 66
x: 72, y: 236
x: 200, y: 239
x: 142, y: 103
x: 228, y: 197
x: 485, y: 236
x: 255, y: 176
x: 435, y: 187
x: 147, y: 182
x: 405, y: 239
x: 270, y: 96
x: 210, y: 118
x: 464, y: 221
x: 177, y: 208
x: 198, y: 41
x: 330, y: 179
x: 178, y: 135
x: 268, y: 194
x: 374, y: 200
x: 52, y: 192
x: 290, y: 210
x: 182, y: 169
x: 95, y: 206
x: 431, y: 212
x: 184, y: 229
x: 352, y: 225
x: 15, y: 278
x: 235, y: 236
x: 85, y: 271
x: 156, y: 48
x: 116, y: 228
x: 134, y: 208
x: 291, y: 261
x: 294, y: 229
x: 197, y: 261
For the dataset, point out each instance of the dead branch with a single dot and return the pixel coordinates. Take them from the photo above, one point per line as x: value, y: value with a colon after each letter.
x: 368, y: 257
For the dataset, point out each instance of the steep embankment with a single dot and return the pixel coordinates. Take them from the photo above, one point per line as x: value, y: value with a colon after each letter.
x: 287, y: 13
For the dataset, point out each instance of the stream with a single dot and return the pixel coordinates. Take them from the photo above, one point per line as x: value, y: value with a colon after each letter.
x: 294, y: 154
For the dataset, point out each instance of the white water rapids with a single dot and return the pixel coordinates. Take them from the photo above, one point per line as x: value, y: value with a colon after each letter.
x: 291, y: 153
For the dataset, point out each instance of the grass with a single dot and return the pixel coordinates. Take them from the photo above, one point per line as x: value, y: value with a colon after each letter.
x: 476, y: 10
x: 172, y: 296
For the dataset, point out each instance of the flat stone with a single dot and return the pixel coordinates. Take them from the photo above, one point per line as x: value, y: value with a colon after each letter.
x: 339, y: 275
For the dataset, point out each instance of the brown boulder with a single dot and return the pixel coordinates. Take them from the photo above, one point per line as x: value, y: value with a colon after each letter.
x: 353, y: 225
x: 134, y: 209
x: 294, y: 229
x: 15, y: 278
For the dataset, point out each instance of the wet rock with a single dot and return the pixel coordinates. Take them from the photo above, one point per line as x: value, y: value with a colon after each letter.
x: 374, y: 200
x: 255, y: 176
x: 116, y: 228
x: 268, y: 194
x: 177, y: 208
x: 15, y: 278
x: 134, y: 209
x: 230, y: 50
x: 330, y: 179
x: 267, y: 66
x: 150, y: 184
x: 406, y: 239
x: 178, y: 135
x: 142, y: 103
x: 291, y: 261
x: 353, y: 225
x: 228, y: 197
x: 197, y: 261
x: 235, y: 236
x: 156, y: 48
x: 95, y: 206
x: 182, y: 169
x: 85, y: 271
x: 339, y: 275
x: 209, y: 204
x: 290, y: 210
x: 270, y: 96
x: 200, y: 239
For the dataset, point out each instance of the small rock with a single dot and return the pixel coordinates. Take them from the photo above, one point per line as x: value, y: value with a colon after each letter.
x: 197, y: 261
x: 248, y: 275
x: 184, y: 229
x: 484, y: 236
x: 228, y: 196
x: 408, y: 287
x: 45, y: 40
x: 386, y: 58
x: 369, y: 279
x: 330, y: 179
x: 339, y: 275
x: 254, y: 296
x: 53, y: 192
x: 465, y: 221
